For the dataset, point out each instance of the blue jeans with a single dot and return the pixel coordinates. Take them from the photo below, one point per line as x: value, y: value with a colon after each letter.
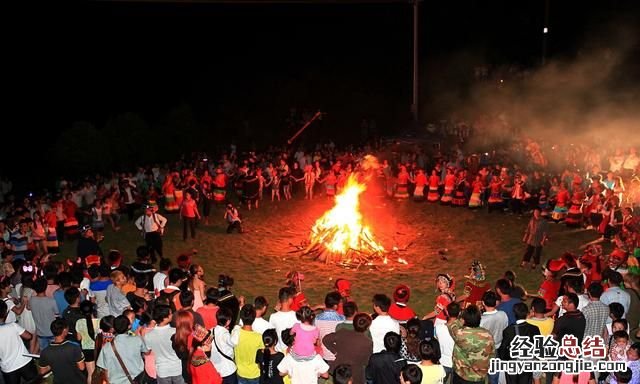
x: 44, y: 342
x: 242, y: 380
x: 493, y: 379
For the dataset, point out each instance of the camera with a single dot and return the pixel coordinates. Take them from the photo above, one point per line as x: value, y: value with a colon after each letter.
x: 225, y: 281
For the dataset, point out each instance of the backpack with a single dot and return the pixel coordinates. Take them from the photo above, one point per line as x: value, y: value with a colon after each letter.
x: 169, y: 298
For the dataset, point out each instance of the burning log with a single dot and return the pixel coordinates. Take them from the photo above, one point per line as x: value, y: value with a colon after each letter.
x: 340, y: 235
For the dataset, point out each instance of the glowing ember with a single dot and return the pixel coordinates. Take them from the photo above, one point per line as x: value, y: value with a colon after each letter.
x: 340, y: 229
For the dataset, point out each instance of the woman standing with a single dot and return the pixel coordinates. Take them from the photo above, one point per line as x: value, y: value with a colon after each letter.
x: 197, y: 285
x: 168, y: 189
x: 445, y: 287
x: 86, y: 331
x: 25, y: 292
x: 191, y: 345
x: 189, y: 214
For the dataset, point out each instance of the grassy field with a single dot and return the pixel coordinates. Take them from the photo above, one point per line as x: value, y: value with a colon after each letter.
x: 258, y: 260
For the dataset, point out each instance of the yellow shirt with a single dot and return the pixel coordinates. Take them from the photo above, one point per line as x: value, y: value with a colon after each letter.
x: 432, y: 374
x: 249, y: 343
x: 544, y: 325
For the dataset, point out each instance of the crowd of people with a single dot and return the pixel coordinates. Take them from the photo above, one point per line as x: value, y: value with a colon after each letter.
x: 96, y: 318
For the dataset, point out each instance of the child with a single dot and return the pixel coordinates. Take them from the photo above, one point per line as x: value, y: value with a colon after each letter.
x: 261, y: 183
x: 268, y: 359
x: 275, y: 186
x: 616, y: 325
x: 410, y: 374
x: 330, y: 182
x: 309, y: 181
x: 307, y: 335
x: 343, y: 374
x: 633, y: 362
x: 620, y: 346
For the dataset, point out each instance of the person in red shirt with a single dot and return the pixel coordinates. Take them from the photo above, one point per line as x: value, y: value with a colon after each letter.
x: 475, y: 286
x: 189, y: 214
x: 295, y: 282
x: 434, y: 184
x: 399, y: 309
x: 550, y: 287
x: 420, y: 181
x: 69, y: 209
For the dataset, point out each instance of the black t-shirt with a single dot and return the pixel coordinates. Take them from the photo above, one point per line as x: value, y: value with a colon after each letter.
x: 269, y: 373
x: 72, y: 315
x: 63, y: 359
x: 88, y: 246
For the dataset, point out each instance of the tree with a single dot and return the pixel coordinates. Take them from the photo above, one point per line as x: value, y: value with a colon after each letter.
x: 130, y: 140
x: 81, y: 150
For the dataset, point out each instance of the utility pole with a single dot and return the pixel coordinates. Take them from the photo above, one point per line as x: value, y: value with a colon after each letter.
x: 414, y: 106
x: 545, y: 31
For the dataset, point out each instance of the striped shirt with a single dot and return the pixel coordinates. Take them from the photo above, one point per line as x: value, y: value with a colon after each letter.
x: 326, y: 323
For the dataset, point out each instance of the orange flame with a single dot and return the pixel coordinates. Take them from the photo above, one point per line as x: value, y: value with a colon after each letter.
x: 341, y: 229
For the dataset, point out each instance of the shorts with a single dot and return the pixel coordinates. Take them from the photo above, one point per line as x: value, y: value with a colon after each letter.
x: 89, y: 355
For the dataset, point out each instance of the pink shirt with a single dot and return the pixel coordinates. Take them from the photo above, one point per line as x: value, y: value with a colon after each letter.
x: 305, y: 340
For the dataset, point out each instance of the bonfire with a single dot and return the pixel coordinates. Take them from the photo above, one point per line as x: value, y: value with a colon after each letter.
x: 340, y: 234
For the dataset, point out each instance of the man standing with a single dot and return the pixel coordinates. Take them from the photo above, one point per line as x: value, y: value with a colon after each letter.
x: 383, y: 323
x: 520, y: 328
x: 87, y: 243
x: 495, y: 322
x: 327, y: 321
x: 385, y: 366
x: 535, y: 236
x: 615, y: 294
x: 152, y: 226
x: 352, y: 347
x: 15, y: 366
x: 596, y: 313
x: 62, y: 357
x: 473, y: 348
x: 572, y: 322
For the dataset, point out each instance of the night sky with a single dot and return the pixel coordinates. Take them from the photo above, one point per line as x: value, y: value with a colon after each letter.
x: 92, y: 60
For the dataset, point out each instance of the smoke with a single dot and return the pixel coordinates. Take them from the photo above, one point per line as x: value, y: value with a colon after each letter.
x: 591, y: 97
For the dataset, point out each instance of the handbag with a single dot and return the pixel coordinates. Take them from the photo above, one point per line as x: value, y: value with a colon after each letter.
x: 142, y: 378
x: 99, y: 376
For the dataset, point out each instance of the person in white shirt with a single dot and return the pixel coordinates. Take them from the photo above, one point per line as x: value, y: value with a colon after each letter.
x: 285, y: 317
x: 13, y: 362
x: 576, y: 286
x: 158, y: 339
x: 304, y: 372
x: 260, y: 324
x: 615, y: 294
x: 493, y: 320
x: 160, y: 278
x: 151, y: 225
x: 383, y: 323
x: 447, y: 343
x: 222, y: 347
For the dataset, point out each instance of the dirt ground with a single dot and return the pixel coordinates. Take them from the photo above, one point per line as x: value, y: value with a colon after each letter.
x: 259, y: 259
